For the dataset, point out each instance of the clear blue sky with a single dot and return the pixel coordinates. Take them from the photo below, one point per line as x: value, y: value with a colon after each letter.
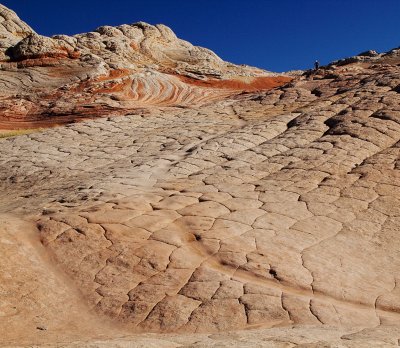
x: 276, y: 35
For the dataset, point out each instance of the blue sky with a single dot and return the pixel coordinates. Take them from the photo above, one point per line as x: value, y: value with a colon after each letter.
x: 277, y: 35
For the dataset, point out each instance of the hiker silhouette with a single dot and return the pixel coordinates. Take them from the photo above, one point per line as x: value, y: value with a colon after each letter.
x: 316, y: 65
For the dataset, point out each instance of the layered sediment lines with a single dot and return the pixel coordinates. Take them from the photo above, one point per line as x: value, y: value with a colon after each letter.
x: 110, y: 71
x: 127, y: 93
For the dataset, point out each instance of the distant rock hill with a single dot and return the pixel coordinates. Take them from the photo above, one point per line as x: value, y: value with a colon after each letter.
x: 111, y: 70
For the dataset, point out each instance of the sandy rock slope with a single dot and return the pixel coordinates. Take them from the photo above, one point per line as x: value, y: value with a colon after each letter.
x: 206, y: 216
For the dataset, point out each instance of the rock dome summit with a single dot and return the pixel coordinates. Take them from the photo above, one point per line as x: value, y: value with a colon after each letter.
x: 112, y: 70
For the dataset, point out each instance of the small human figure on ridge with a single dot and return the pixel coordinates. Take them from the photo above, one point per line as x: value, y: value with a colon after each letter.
x: 316, y: 65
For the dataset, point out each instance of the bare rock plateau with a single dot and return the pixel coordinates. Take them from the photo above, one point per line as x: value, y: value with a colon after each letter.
x: 162, y: 197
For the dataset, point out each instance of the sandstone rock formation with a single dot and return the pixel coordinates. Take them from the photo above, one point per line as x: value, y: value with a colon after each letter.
x: 112, y: 70
x: 275, y: 211
x: 12, y: 30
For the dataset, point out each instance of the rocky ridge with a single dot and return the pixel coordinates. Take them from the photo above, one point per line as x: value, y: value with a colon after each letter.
x: 112, y: 70
x: 274, y: 211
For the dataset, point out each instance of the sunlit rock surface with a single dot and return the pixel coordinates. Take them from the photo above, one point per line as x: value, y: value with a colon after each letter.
x: 112, y: 70
x: 205, y: 216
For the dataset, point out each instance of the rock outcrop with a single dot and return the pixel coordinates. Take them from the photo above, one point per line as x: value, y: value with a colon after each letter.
x: 36, y: 46
x: 267, y: 218
x: 369, y: 56
x: 12, y: 30
x: 110, y: 71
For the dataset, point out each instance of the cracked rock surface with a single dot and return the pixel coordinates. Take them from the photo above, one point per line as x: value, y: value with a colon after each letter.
x: 261, y: 219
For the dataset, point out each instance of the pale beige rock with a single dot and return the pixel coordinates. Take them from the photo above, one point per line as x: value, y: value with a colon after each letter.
x: 207, y: 209
x: 268, y: 218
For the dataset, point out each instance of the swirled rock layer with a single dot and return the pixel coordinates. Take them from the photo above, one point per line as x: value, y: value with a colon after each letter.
x: 110, y: 71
